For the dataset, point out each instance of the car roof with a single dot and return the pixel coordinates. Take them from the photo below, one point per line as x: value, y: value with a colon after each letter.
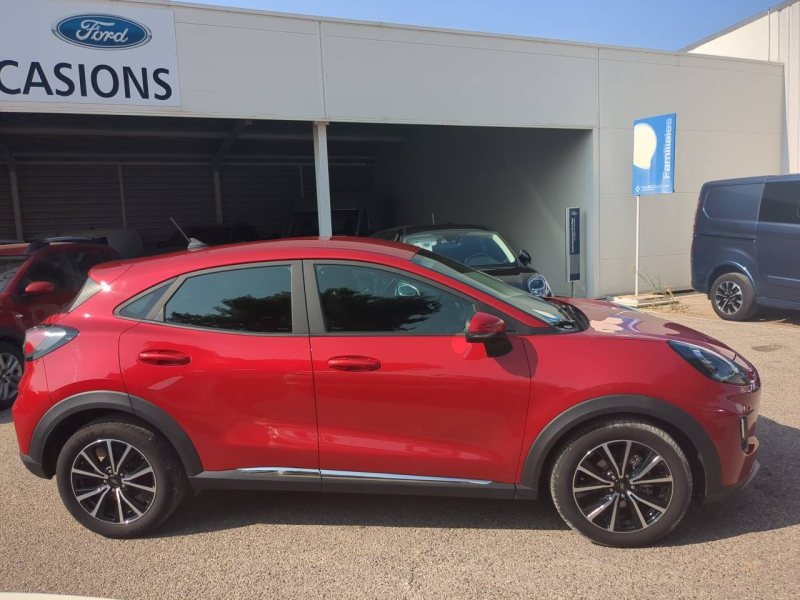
x: 19, y: 249
x: 254, y: 251
x: 753, y: 180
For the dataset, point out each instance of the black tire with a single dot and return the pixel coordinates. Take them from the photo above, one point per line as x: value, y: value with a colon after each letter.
x: 167, y: 479
x: 627, y: 531
x: 733, y: 297
x: 7, y: 401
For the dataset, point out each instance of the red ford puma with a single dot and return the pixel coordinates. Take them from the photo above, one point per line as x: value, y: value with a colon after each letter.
x: 354, y: 365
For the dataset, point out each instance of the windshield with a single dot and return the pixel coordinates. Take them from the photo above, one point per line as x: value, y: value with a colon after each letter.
x: 490, y: 285
x: 9, y: 265
x: 477, y: 249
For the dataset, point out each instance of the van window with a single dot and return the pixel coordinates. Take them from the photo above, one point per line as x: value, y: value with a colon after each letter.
x: 781, y: 203
x: 733, y: 202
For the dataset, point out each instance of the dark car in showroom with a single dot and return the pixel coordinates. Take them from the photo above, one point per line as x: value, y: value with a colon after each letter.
x: 36, y: 280
x: 475, y: 246
x: 360, y: 365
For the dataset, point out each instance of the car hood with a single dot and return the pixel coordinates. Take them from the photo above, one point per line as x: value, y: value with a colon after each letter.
x: 607, y: 319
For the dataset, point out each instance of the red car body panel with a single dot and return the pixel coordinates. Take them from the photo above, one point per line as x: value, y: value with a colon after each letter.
x: 438, y: 406
x: 244, y: 400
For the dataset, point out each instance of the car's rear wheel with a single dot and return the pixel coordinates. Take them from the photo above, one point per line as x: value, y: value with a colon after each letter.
x: 119, y: 479
x: 733, y: 297
x: 621, y: 483
x: 11, y: 366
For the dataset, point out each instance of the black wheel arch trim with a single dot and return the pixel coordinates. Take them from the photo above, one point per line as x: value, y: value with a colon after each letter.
x: 609, y: 406
x: 118, y: 401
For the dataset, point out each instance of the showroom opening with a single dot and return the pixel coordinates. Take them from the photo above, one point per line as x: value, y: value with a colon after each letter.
x: 75, y: 174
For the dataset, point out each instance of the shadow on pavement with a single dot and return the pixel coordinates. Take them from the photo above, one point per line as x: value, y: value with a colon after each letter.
x: 5, y: 416
x: 771, y: 502
x: 777, y: 315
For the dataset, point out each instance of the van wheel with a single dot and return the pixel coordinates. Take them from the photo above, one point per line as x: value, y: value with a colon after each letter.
x: 733, y: 297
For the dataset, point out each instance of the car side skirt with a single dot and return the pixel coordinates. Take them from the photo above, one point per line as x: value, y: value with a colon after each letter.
x: 323, y: 480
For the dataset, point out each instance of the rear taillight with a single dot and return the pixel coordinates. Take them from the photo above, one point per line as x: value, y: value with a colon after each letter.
x: 46, y: 338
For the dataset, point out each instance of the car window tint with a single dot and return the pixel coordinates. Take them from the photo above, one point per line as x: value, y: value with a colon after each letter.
x: 54, y: 268
x: 364, y: 299
x: 9, y: 265
x: 735, y: 202
x: 781, y: 203
x: 256, y: 300
x: 140, y: 308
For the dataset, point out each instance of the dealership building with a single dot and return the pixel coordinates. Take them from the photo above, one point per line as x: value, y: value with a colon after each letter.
x: 126, y: 113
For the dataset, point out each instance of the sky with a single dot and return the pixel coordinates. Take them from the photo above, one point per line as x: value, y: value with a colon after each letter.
x: 659, y: 24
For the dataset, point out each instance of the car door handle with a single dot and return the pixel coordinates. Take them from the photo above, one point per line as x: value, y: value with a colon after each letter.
x: 164, y: 357
x: 354, y: 363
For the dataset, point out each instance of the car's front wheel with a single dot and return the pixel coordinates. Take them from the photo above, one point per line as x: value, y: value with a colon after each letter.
x: 621, y: 483
x: 118, y: 478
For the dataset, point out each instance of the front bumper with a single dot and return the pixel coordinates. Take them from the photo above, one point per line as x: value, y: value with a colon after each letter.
x: 724, y: 492
x: 33, y: 466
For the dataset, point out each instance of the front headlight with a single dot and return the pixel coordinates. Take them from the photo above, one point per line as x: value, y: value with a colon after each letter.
x: 709, y: 363
x: 538, y: 286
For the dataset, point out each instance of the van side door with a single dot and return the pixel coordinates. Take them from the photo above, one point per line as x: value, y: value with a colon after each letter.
x: 778, y: 241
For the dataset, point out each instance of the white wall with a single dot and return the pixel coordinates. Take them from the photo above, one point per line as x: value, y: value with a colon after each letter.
x: 774, y: 36
x: 517, y: 181
x: 728, y: 125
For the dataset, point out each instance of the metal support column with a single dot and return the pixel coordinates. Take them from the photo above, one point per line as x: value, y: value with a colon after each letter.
x: 323, y: 182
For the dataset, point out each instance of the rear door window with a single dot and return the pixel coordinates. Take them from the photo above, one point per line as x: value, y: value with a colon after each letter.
x: 254, y: 300
x: 781, y: 203
x: 733, y: 202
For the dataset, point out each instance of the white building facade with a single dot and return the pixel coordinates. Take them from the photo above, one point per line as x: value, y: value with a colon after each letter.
x: 258, y: 114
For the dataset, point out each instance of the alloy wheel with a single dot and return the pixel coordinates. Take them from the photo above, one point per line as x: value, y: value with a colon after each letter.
x: 728, y: 297
x: 10, y: 376
x: 622, y: 486
x: 113, y: 481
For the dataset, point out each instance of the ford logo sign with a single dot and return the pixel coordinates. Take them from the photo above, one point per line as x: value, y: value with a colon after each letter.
x: 102, y: 32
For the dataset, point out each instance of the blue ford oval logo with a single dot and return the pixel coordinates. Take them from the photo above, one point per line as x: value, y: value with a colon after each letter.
x: 102, y: 32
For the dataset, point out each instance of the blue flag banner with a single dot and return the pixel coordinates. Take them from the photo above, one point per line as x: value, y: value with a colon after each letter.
x: 654, y: 155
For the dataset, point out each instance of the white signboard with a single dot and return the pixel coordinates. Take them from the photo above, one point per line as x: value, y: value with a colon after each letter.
x: 87, y: 53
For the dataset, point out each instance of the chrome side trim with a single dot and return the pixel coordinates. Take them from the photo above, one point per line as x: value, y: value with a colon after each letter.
x: 396, y: 477
x: 278, y: 471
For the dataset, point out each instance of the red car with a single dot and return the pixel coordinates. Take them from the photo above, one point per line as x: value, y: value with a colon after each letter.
x: 36, y: 280
x: 354, y: 365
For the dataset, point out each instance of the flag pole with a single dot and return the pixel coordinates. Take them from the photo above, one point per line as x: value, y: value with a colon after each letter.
x: 636, y: 259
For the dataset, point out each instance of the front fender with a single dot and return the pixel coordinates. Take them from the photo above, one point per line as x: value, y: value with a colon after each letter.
x: 608, y: 406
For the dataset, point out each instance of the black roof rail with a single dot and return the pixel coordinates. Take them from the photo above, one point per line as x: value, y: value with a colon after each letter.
x: 37, y: 245
x: 7, y: 242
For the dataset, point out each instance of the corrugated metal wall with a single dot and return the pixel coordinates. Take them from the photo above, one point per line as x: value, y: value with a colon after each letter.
x: 260, y: 195
x: 7, y: 228
x: 58, y: 198
x: 154, y: 193
x: 63, y: 198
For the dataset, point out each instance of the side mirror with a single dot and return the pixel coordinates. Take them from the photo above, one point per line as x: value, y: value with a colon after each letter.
x: 484, y: 327
x: 525, y: 257
x: 39, y: 288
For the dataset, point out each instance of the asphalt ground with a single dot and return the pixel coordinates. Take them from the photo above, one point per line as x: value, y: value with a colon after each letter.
x: 292, y: 545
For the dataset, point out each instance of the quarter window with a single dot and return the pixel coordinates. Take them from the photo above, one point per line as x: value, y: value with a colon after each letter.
x: 364, y: 299
x: 256, y: 300
x: 781, y: 203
